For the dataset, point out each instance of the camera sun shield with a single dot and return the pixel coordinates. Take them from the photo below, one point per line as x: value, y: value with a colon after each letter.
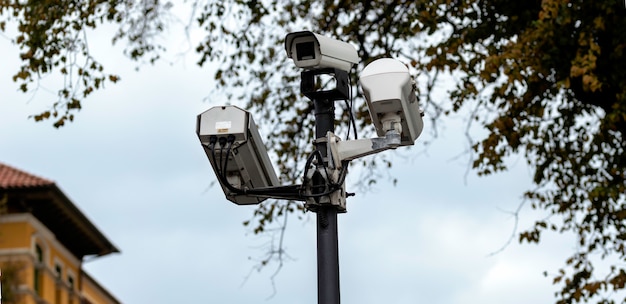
x: 313, y: 51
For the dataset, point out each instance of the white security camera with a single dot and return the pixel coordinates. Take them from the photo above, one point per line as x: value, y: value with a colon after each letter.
x: 237, y: 154
x: 313, y: 51
x: 391, y: 99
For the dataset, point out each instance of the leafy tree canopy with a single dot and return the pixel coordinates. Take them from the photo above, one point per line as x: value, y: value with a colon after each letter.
x: 546, y: 79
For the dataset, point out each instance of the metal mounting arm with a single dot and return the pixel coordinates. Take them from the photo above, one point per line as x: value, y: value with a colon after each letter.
x: 341, y: 151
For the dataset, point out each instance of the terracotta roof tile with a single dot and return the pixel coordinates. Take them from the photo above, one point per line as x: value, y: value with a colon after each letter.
x: 13, y: 178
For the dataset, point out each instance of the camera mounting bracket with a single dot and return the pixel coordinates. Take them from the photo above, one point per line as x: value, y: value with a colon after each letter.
x: 310, y: 89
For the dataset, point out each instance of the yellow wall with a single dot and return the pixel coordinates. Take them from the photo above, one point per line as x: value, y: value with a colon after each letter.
x: 15, y: 235
x: 17, y: 242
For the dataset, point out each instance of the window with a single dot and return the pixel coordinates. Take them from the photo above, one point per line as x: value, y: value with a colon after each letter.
x: 58, y: 269
x: 70, y: 282
x: 38, y: 274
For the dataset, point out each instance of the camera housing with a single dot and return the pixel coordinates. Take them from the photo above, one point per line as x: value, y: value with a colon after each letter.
x: 232, y: 142
x: 313, y: 51
x: 390, y: 94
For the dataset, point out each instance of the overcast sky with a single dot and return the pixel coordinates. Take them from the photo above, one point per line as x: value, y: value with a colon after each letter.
x: 132, y: 163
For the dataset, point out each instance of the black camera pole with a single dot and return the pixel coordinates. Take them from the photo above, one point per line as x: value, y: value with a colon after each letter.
x: 327, y: 235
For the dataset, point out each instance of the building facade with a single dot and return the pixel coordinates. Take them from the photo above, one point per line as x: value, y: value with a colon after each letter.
x: 44, y: 239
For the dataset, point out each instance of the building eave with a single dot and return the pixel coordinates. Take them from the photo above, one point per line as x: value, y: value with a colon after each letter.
x: 56, y: 211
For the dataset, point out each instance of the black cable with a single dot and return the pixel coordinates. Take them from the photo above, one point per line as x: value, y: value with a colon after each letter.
x: 230, y: 141
x: 332, y: 187
x: 222, y: 142
x: 344, y: 172
x: 220, y: 170
x: 321, y: 160
x: 350, y: 106
x: 292, y: 192
x: 218, y: 166
x: 212, y: 141
x: 307, y: 165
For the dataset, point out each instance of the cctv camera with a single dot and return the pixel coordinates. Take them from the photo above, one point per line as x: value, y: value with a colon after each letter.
x: 236, y: 152
x: 391, y: 99
x: 313, y: 51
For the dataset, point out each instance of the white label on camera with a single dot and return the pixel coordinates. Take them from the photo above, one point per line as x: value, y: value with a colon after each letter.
x: 223, y: 126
